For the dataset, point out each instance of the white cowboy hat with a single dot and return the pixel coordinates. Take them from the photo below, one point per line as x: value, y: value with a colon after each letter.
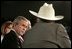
x: 47, y: 12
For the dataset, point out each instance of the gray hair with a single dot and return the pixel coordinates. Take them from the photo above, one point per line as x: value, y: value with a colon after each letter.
x: 29, y: 25
x: 19, y: 18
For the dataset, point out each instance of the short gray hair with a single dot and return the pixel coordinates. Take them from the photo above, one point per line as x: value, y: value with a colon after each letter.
x: 19, y: 18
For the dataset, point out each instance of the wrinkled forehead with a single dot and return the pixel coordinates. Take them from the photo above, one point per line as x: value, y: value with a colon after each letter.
x: 23, y: 22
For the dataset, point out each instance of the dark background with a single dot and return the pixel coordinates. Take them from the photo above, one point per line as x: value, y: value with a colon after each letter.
x: 12, y: 9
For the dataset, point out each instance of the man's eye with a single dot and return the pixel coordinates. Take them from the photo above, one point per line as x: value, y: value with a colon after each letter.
x: 9, y: 27
x: 23, y: 25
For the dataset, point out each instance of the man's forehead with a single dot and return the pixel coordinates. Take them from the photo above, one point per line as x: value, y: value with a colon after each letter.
x: 23, y: 21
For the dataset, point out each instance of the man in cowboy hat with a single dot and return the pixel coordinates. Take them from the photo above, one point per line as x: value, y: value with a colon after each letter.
x: 47, y: 34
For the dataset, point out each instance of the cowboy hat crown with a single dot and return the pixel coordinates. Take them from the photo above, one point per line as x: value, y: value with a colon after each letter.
x: 47, y: 12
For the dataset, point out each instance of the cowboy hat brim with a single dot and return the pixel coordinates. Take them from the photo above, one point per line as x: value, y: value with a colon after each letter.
x: 46, y: 18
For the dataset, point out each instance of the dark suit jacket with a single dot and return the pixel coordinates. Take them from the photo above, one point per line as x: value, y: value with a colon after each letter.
x: 11, y: 41
x: 47, y: 35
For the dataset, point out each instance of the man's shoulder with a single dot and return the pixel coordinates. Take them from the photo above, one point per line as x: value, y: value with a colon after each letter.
x: 11, y: 34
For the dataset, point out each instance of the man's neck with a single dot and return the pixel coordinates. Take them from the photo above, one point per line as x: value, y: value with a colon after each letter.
x: 19, y: 36
x: 16, y: 32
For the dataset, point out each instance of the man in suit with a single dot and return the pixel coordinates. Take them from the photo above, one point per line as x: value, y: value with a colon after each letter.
x: 47, y: 33
x: 14, y: 39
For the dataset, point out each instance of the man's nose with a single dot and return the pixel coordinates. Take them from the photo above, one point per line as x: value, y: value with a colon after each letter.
x: 24, y: 28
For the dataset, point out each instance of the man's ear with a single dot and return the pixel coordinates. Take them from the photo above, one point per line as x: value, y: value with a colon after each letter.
x: 14, y: 24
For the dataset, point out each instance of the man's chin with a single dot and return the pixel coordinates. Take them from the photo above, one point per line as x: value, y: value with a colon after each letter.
x: 22, y: 34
